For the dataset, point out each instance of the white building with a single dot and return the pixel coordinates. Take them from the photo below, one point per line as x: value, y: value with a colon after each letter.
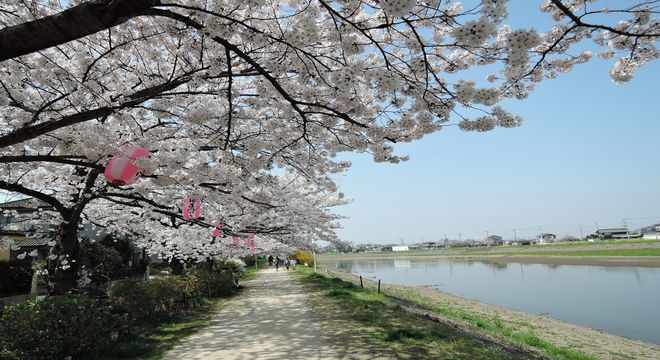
x: 546, y: 238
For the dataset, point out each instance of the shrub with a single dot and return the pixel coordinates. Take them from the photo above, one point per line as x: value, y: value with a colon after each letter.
x: 134, y: 298
x: 142, y: 300
x: 165, y: 291
x: 57, y: 327
x: 304, y: 257
x: 214, y: 283
x: 103, y: 261
x: 15, y: 278
x: 5, y: 354
x: 250, y: 260
x: 235, y: 265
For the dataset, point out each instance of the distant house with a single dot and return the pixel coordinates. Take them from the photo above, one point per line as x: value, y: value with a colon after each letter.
x: 395, y: 248
x: 546, y: 238
x: 493, y: 240
x: 655, y: 228
x: 521, y: 242
x: 430, y: 245
x: 25, y: 227
x: 651, y: 232
x: 617, y: 233
x: 16, y: 231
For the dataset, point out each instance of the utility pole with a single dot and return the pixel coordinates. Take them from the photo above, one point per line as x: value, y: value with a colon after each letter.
x: 459, y: 237
x: 626, y: 226
x: 581, y: 234
x: 515, y: 236
x: 314, y: 252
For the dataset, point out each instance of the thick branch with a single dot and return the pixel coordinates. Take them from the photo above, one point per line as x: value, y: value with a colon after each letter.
x: 37, y: 195
x: 85, y: 196
x: 30, y: 132
x: 49, y: 158
x: 77, y: 22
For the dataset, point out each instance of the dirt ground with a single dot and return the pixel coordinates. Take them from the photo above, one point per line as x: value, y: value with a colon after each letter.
x: 272, y: 319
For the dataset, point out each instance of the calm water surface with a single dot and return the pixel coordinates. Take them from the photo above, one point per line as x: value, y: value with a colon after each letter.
x: 619, y: 300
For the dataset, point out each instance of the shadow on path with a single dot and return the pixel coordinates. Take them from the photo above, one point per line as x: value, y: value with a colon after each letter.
x: 271, y: 319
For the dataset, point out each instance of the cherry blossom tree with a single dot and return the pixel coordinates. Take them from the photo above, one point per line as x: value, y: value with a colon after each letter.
x: 235, y: 99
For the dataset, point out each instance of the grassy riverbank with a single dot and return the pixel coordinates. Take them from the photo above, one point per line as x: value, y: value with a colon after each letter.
x: 554, y: 339
x: 605, y: 252
x: 391, y: 328
x: 637, y: 247
x: 642, y: 253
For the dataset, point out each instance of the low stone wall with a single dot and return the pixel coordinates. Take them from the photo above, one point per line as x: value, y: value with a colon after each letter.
x: 16, y: 299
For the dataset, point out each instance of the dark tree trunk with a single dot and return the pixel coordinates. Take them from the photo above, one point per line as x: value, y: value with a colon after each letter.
x: 66, y: 275
x: 177, y: 266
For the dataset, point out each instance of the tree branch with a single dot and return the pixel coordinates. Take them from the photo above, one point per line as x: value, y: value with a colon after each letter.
x: 74, y: 23
x: 50, y: 158
x: 37, y: 195
x: 578, y: 21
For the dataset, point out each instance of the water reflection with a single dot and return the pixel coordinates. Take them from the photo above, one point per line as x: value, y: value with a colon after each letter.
x: 619, y: 300
x: 402, y: 263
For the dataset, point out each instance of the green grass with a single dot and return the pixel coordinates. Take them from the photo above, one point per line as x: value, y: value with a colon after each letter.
x: 152, y: 340
x: 493, y: 326
x: 251, y: 271
x: 392, y: 328
x: 490, y: 250
x: 567, y: 244
x: 400, y: 331
x: 609, y: 252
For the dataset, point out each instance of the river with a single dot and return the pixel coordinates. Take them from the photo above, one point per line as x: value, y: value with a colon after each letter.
x: 620, y: 300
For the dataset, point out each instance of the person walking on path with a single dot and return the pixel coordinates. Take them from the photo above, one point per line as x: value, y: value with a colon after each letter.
x: 293, y: 263
x: 270, y: 260
x: 286, y: 263
x: 277, y: 264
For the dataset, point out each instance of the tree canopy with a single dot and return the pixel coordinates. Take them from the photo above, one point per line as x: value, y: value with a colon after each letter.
x: 245, y: 104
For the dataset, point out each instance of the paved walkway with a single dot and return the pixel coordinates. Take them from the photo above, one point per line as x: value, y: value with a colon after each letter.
x: 271, y: 319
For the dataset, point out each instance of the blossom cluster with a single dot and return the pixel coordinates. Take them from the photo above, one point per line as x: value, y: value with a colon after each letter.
x: 246, y: 104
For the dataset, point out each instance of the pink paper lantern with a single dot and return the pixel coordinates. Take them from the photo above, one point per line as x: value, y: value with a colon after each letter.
x: 198, y: 209
x: 218, y: 229
x: 249, y: 241
x: 121, y: 170
x: 186, y: 208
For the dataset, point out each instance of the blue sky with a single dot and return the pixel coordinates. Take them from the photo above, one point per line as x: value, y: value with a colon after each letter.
x: 588, y: 153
